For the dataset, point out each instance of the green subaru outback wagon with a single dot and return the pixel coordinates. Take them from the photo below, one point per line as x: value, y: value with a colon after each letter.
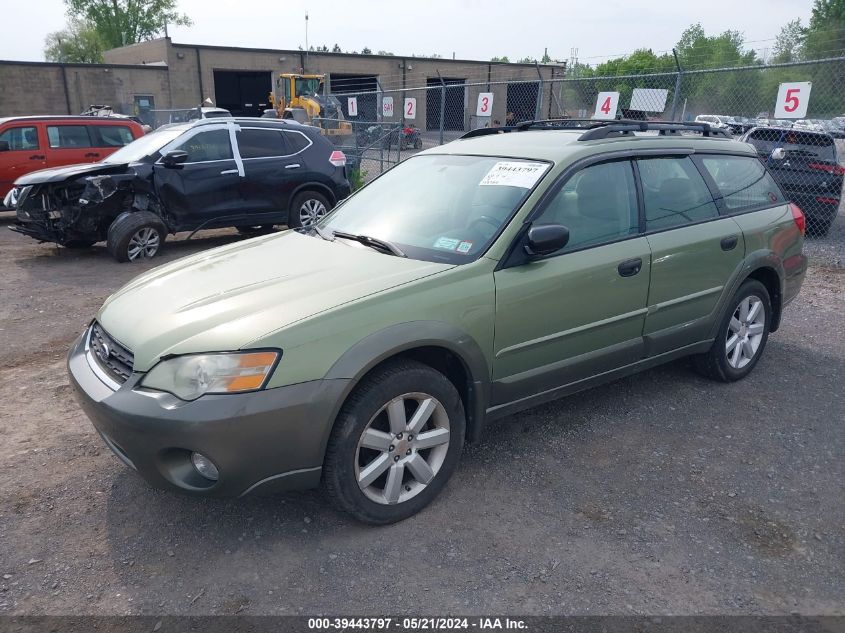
x: 500, y: 271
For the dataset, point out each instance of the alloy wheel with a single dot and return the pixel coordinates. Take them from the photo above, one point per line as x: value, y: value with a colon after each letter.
x: 143, y: 244
x: 745, y: 331
x: 311, y: 211
x: 402, y: 448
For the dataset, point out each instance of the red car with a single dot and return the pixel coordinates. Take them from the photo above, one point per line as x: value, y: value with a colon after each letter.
x: 30, y: 143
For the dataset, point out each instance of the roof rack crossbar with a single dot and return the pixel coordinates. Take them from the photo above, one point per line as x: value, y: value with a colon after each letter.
x: 597, y: 129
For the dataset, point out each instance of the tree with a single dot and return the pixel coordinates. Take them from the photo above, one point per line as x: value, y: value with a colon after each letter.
x: 825, y: 35
x: 385, y: 53
x: 789, y: 45
x: 122, y: 22
x: 336, y: 49
x: 79, y: 42
x: 503, y: 59
x: 366, y: 51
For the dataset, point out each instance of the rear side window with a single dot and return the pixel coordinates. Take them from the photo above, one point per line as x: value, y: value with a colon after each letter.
x: 208, y: 146
x: 674, y: 193
x: 255, y: 143
x: 112, y: 135
x: 20, y: 138
x: 795, y: 143
x: 598, y: 205
x: 68, y: 136
x: 297, y: 141
x: 743, y: 182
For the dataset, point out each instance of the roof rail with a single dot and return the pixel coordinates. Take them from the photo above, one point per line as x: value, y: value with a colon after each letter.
x: 595, y: 130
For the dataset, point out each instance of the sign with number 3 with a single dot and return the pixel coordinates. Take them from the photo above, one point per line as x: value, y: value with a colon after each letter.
x: 793, y: 99
x: 485, y: 104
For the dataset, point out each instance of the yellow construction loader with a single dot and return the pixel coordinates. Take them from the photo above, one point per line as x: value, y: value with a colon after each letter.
x: 303, y: 99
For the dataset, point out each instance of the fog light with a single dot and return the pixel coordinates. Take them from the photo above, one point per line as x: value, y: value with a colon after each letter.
x: 204, y: 466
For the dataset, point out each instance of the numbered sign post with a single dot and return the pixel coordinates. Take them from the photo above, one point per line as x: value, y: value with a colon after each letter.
x: 606, y: 105
x: 793, y: 99
x: 387, y: 107
x: 410, y: 109
x: 485, y: 104
x: 352, y: 106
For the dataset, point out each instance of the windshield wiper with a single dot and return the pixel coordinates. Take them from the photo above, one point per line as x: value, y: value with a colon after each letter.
x: 325, y: 235
x: 373, y: 242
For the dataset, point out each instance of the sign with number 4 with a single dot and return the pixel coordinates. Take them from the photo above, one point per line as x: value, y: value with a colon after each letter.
x: 606, y: 105
x: 410, y: 108
x: 793, y: 99
x: 352, y: 106
x: 485, y: 104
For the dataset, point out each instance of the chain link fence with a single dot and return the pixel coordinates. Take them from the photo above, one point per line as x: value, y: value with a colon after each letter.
x: 806, y: 156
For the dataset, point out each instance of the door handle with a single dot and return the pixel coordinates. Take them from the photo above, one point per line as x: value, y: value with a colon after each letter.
x: 630, y: 267
x: 729, y: 243
x: 92, y: 154
x: 226, y: 172
x: 36, y: 157
x: 294, y: 166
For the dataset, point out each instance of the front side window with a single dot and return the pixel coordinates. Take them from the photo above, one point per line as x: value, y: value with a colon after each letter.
x: 20, y: 138
x: 207, y: 146
x: 440, y: 208
x: 742, y: 181
x: 114, y: 135
x: 674, y: 193
x: 68, y: 136
x: 598, y: 205
x: 255, y: 143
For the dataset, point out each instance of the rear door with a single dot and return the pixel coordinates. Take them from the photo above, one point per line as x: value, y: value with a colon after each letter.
x: 21, y: 151
x: 205, y: 190
x: 69, y: 144
x: 273, y: 168
x: 108, y: 138
x: 695, y: 252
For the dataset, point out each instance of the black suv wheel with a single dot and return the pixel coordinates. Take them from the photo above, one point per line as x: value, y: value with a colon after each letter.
x: 136, y: 235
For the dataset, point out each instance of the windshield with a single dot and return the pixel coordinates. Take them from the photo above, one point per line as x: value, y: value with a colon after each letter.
x: 308, y: 87
x: 147, y: 145
x: 439, y: 208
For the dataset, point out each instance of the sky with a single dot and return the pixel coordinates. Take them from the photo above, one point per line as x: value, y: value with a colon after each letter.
x: 471, y: 29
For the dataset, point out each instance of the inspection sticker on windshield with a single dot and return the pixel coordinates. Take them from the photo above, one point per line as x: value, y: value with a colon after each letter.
x: 464, y: 247
x: 514, y: 174
x: 448, y: 243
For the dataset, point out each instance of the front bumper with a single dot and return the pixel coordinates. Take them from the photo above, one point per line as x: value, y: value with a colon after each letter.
x: 264, y: 441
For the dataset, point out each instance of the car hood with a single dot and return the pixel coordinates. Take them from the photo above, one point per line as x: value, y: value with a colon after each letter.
x: 227, y: 297
x: 61, y: 174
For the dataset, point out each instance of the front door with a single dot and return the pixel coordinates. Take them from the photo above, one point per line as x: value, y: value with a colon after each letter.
x: 20, y: 153
x: 694, y: 252
x: 206, y: 190
x: 580, y: 312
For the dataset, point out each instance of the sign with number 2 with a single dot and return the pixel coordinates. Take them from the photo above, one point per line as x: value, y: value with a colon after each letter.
x: 606, y: 105
x: 793, y: 99
x: 410, y: 108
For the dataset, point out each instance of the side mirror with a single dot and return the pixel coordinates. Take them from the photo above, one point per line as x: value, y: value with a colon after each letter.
x: 778, y: 153
x: 174, y: 159
x: 544, y: 239
x: 4, y: 146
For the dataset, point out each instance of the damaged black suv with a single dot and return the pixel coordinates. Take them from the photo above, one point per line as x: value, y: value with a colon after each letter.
x: 212, y: 173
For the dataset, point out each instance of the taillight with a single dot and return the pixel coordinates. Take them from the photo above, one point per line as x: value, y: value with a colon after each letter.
x: 798, y: 216
x: 826, y: 200
x: 337, y: 158
x: 839, y: 170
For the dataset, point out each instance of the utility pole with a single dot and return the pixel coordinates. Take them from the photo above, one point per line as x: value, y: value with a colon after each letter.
x: 306, y: 35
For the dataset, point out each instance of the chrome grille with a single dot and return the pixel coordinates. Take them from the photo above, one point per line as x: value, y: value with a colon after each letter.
x: 112, y: 357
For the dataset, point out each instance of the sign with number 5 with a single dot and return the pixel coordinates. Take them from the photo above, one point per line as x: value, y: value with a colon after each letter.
x: 606, y: 104
x: 793, y: 99
x: 485, y: 104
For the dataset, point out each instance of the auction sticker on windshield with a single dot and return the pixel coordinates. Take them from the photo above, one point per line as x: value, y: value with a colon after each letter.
x: 514, y: 174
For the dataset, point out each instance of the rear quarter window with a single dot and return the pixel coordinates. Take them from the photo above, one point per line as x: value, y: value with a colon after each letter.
x: 743, y: 182
x: 297, y: 141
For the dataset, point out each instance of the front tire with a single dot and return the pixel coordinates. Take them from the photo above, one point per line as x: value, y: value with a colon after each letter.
x: 307, y: 208
x: 742, y: 335
x: 395, y: 443
x: 136, y: 235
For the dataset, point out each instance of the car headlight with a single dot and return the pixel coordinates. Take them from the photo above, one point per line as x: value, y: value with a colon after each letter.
x: 189, y: 377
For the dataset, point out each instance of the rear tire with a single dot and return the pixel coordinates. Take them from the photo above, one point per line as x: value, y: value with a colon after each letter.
x: 384, y: 463
x: 307, y: 208
x: 742, y: 335
x: 136, y: 235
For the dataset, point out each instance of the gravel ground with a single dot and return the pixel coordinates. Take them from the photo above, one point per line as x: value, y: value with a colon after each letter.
x: 660, y: 493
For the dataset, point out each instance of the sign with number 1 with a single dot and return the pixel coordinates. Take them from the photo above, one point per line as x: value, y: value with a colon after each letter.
x: 606, y: 105
x: 793, y: 99
x: 352, y: 106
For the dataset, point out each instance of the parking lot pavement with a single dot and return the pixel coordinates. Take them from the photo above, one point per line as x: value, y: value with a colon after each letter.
x: 660, y: 493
